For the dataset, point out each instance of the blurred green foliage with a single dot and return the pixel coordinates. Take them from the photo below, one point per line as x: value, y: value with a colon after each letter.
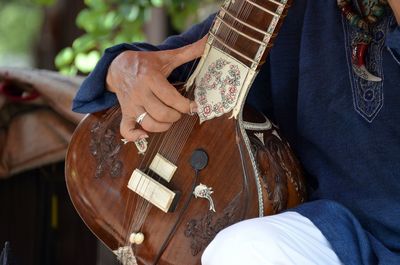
x: 20, y: 23
x: 109, y: 22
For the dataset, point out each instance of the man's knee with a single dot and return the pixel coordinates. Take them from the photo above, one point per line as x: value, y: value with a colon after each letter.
x: 248, y: 242
x: 288, y: 238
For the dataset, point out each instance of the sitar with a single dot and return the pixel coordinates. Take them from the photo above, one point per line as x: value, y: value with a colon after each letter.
x: 161, y: 200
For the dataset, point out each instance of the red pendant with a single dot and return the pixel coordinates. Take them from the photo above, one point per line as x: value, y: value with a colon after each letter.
x: 358, y: 54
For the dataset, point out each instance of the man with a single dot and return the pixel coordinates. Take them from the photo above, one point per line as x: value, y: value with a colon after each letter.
x: 342, y: 118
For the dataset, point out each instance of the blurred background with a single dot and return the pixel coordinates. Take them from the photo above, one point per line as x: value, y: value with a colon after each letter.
x: 65, y: 39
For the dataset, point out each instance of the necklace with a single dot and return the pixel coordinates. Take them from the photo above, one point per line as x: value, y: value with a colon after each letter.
x: 368, y: 13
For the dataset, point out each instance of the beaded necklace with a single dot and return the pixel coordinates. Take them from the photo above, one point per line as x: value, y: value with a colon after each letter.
x: 367, y: 14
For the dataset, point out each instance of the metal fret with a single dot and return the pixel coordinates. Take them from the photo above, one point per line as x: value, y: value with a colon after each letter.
x: 267, y: 38
x: 232, y: 49
x: 239, y: 32
x: 268, y: 33
x: 276, y: 2
x: 263, y: 8
x: 244, y: 23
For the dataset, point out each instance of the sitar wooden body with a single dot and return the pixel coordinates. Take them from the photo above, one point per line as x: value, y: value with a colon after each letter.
x: 235, y: 156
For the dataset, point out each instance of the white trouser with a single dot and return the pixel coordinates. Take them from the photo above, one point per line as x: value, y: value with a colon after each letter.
x: 283, y: 239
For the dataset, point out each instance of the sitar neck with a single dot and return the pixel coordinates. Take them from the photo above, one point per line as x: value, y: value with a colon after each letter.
x: 237, y: 46
x: 246, y: 29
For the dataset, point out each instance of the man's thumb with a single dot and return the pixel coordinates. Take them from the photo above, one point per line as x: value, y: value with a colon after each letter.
x: 185, y: 54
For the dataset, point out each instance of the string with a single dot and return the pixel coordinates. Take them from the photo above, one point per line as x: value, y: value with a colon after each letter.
x: 174, y: 147
x: 144, y: 213
x: 177, y: 147
x: 139, y: 208
x: 146, y: 205
x: 188, y: 129
x: 142, y: 202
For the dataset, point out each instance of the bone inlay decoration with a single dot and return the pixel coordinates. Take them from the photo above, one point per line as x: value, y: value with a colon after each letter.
x: 202, y: 191
x: 151, y: 190
x: 218, y: 84
x: 141, y: 145
x: 162, y: 167
x: 125, y: 255
x: 260, y: 136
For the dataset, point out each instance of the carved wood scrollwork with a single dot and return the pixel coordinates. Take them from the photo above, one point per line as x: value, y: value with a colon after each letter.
x: 277, y: 166
x: 105, y: 146
x: 202, y: 231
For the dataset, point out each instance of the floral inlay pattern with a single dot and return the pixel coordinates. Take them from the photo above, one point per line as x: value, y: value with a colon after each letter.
x: 218, y: 88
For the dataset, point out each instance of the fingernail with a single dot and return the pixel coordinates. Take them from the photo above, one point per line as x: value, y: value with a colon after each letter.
x: 144, y: 136
x: 193, y: 107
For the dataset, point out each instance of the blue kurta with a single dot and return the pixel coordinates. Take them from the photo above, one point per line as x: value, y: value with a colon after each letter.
x: 345, y: 131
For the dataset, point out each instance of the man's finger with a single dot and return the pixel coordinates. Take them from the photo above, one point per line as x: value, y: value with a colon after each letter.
x: 151, y: 125
x: 177, y: 57
x: 131, y: 131
x: 128, y: 131
x: 169, y: 95
x: 158, y: 110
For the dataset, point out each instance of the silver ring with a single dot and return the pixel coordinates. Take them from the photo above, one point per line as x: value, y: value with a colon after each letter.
x: 140, y: 118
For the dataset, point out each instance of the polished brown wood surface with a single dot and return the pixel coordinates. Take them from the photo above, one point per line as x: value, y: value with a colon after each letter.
x: 99, y: 190
x: 251, y: 168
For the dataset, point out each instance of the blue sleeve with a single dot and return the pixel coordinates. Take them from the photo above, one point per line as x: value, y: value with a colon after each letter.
x: 393, y: 41
x: 92, y: 96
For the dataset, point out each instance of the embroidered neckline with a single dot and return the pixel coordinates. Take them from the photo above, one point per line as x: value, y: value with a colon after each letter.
x: 368, y: 97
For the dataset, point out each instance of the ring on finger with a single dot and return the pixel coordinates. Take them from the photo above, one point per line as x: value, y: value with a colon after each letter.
x: 141, y: 117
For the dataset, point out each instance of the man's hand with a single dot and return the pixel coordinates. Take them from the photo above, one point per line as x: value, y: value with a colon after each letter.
x: 140, y: 81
